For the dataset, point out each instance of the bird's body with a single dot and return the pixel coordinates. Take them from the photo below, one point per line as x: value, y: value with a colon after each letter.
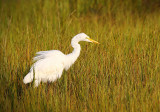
x: 49, y: 65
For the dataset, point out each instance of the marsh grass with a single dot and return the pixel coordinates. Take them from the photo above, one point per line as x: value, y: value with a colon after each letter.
x: 120, y: 74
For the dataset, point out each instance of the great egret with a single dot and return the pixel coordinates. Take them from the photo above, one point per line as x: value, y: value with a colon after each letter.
x: 49, y: 65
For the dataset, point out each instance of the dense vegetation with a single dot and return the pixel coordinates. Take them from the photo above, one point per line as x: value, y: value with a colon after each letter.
x: 120, y: 74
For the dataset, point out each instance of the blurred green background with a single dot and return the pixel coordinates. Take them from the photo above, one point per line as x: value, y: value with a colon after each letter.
x: 120, y: 74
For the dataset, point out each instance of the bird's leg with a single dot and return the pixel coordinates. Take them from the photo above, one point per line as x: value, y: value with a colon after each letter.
x: 36, y: 83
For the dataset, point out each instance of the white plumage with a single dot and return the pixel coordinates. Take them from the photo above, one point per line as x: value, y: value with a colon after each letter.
x: 49, y: 65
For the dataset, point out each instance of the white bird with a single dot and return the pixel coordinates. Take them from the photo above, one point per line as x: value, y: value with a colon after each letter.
x: 49, y: 65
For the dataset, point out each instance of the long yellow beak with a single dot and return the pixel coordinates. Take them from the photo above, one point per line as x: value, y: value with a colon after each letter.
x: 93, y: 40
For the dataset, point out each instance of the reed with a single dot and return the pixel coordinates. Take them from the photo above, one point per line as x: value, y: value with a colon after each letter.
x: 120, y: 74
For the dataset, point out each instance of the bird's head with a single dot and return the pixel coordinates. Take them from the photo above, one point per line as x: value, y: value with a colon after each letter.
x: 84, y: 37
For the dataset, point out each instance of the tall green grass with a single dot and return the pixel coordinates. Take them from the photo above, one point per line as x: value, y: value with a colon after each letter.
x: 120, y: 74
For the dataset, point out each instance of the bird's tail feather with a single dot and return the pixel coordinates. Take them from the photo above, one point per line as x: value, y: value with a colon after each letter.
x: 28, y: 78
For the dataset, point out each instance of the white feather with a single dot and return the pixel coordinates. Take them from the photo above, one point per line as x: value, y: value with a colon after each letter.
x: 49, y: 65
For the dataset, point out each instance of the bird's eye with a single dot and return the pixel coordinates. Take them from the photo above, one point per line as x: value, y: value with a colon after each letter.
x: 87, y: 37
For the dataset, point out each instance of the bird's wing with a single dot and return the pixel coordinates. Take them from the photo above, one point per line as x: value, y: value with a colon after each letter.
x: 48, y: 63
x: 48, y: 66
x: 44, y: 54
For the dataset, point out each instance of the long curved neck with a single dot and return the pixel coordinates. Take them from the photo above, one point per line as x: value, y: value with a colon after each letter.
x: 76, y: 51
x: 72, y: 57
